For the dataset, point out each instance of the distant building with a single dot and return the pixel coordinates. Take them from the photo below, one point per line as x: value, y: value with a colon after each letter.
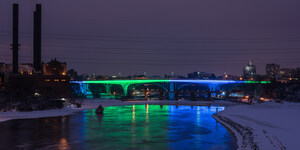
x: 23, y: 69
x: 2, y: 67
x: 272, y: 70
x: 6, y: 70
x: 26, y: 69
x: 2, y: 70
x: 1, y: 80
x: 230, y: 77
x: 55, y: 67
x: 286, y: 73
x: 201, y: 75
x: 249, y: 70
x: 296, y: 74
x: 73, y: 74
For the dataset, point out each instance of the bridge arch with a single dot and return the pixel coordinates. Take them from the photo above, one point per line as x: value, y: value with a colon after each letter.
x: 161, y: 85
x: 148, y: 90
x: 183, y: 85
x: 96, y: 89
x: 116, y: 89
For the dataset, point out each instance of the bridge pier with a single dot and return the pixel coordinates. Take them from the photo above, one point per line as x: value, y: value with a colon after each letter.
x: 212, y: 88
x: 171, y: 91
x: 107, y: 89
x: 83, y: 88
x: 125, y: 89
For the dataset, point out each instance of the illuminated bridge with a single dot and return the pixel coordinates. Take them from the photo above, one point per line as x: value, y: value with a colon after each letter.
x: 170, y: 86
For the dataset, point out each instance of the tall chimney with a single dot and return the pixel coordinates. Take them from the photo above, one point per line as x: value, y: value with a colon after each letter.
x: 37, y: 39
x: 15, y: 45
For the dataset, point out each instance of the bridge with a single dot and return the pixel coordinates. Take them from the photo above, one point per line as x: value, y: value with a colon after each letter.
x: 170, y: 86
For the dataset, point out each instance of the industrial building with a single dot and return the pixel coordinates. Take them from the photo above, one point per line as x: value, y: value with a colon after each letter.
x: 47, y: 80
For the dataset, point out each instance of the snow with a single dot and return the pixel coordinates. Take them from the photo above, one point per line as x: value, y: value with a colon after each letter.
x: 271, y: 125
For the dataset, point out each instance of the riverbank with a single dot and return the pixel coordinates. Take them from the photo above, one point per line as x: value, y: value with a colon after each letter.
x: 92, y: 104
x: 263, y: 126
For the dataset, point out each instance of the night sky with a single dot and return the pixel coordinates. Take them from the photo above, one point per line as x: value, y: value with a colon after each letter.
x: 158, y: 36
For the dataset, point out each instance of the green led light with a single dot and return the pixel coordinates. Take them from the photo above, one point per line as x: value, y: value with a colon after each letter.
x: 262, y: 82
x: 122, y: 82
x: 251, y: 81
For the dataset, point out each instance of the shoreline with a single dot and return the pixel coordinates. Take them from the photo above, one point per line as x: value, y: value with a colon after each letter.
x: 268, y: 125
x: 244, y: 142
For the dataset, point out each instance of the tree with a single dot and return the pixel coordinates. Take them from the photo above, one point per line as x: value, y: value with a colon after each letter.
x: 176, y: 96
x: 209, y: 94
x: 227, y: 94
x: 161, y: 95
x: 73, y: 74
x: 192, y: 95
x: 95, y: 89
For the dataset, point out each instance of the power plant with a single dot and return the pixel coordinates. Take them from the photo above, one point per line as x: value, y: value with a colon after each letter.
x: 53, y: 85
x: 15, y: 44
x: 37, y: 39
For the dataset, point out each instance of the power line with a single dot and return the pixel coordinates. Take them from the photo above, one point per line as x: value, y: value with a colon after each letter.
x: 168, y: 49
x: 199, y: 52
x: 159, y: 49
x: 165, y: 40
x: 157, y: 37
x: 154, y: 59
x: 170, y: 54
x: 103, y: 61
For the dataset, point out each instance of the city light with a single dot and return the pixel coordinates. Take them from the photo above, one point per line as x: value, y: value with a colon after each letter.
x: 257, y: 82
x: 122, y: 82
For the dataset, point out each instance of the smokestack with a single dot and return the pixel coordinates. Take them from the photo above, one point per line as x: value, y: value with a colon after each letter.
x: 37, y: 39
x: 15, y: 45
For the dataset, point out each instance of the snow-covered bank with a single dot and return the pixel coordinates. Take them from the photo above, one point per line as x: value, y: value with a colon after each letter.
x: 264, y: 126
x: 92, y: 104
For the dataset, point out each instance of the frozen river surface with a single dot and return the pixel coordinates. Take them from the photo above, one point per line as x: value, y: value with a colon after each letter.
x: 121, y: 127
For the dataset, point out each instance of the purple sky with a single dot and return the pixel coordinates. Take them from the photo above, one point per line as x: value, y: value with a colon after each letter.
x: 158, y: 36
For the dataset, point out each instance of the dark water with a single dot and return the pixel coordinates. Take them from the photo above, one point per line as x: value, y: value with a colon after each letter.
x: 121, y: 127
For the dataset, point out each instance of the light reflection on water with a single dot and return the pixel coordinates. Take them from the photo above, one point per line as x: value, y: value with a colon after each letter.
x: 121, y: 127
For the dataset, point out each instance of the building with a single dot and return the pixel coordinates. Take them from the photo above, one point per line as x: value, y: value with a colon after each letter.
x: 201, y: 75
x: 73, y: 74
x: 272, y: 70
x: 47, y: 80
x: 1, y: 80
x: 55, y: 67
x: 2, y: 67
x: 296, y: 74
x: 230, y: 77
x: 286, y: 73
x: 249, y: 70
x: 23, y: 69
x: 26, y: 69
x: 48, y: 86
